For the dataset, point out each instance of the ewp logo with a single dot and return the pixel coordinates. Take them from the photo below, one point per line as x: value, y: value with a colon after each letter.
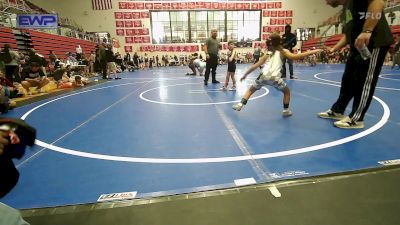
x: 49, y: 21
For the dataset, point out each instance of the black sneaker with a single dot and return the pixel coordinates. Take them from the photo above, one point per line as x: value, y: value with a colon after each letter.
x: 216, y: 82
x: 205, y: 82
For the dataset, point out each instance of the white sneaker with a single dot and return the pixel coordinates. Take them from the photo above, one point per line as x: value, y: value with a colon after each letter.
x: 233, y: 88
x: 347, y: 123
x: 223, y: 88
x: 287, y: 112
x: 331, y: 115
x: 238, y: 106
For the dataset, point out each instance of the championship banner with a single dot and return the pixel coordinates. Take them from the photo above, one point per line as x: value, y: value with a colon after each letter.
x: 120, y: 32
x: 129, y: 23
x: 140, y: 5
x: 118, y: 15
x: 135, y: 15
x: 128, y: 49
x: 170, y: 48
x: 266, y: 13
x: 148, y: 6
x: 213, y: 5
x: 145, y: 15
x: 123, y: 5
x: 127, y: 15
x: 137, y: 23
x: 129, y: 40
x: 119, y: 23
x: 131, y: 5
x: 129, y: 32
x: 157, y: 6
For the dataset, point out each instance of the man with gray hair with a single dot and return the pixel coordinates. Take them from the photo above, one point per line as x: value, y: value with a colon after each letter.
x: 211, y: 48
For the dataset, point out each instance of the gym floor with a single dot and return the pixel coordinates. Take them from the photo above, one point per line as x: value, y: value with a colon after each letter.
x: 160, y: 133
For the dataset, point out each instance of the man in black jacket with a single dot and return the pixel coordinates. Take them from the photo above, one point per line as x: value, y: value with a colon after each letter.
x: 289, y: 41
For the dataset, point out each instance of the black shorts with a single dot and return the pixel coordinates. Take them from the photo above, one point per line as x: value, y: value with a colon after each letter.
x: 231, y: 67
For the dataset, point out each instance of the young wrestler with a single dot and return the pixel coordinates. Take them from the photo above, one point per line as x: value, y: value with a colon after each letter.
x: 271, y: 74
x: 231, y: 67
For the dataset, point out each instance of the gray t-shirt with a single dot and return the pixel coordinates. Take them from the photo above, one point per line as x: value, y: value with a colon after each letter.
x: 212, y: 45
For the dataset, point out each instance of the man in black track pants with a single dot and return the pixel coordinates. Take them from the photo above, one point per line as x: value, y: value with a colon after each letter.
x: 364, y: 24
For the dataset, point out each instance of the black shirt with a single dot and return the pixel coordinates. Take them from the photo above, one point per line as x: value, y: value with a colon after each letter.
x: 289, y: 41
x: 27, y: 73
x: 354, y: 18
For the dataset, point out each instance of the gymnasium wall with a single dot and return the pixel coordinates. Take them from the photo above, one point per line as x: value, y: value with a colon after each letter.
x: 305, y: 13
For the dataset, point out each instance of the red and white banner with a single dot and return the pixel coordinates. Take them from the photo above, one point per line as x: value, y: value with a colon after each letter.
x: 129, y: 23
x: 129, y: 40
x: 120, y: 32
x: 127, y: 15
x: 145, y: 15
x: 137, y: 23
x: 131, y: 5
x: 288, y: 21
x: 128, y: 49
x: 169, y: 48
x: 101, y: 4
x: 119, y: 23
x: 184, y: 5
x: 157, y: 6
x: 136, y: 15
x: 123, y: 5
x: 119, y: 15
x: 148, y: 6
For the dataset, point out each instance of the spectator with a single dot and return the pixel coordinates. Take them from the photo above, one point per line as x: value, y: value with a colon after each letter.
x: 257, y: 54
x: 396, y: 53
x: 33, y: 77
x: 10, y: 59
x: 52, y: 58
x: 289, y: 41
x: 392, y: 17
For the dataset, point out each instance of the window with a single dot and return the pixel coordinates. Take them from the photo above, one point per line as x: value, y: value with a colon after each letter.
x: 195, y: 26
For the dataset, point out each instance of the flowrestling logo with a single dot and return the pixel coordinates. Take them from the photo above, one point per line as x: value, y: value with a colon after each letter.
x: 369, y: 15
x: 35, y: 21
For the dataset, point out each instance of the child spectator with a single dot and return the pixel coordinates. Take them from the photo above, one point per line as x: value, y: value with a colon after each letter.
x: 231, y: 67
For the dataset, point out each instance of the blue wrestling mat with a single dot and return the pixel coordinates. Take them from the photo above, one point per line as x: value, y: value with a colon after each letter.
x: 158, y: 132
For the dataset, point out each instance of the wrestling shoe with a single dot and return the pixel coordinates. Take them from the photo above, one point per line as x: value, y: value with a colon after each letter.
x: 331, y: 115
x: 287, y: 112
x: 238, y: 106
x: 347, y: 123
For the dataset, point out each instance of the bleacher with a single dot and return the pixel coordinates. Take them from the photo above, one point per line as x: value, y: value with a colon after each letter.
x: 314, y: 42
x: 60, y: 45
x: 7, y: 37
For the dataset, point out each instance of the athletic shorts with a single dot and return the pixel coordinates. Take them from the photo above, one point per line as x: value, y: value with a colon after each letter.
x: 272, y: 80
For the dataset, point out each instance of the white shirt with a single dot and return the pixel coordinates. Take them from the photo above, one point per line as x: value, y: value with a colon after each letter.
x: 274, y: 66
